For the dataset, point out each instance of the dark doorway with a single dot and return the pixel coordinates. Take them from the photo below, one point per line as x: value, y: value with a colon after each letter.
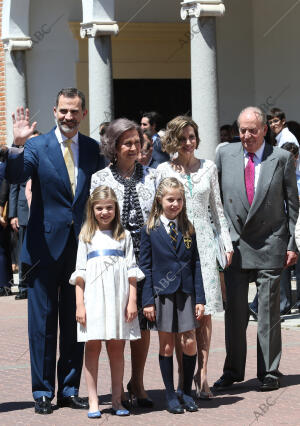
x: 168, y: 97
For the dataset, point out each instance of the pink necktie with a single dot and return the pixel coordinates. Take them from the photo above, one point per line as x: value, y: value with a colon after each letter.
x: 249, y: 177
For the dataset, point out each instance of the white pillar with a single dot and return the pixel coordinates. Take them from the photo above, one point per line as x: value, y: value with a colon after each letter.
x: 15, y: 79
x: 15, y: 30
x: 99, y: 26
x: 100, y: 72
x: 202, y: 15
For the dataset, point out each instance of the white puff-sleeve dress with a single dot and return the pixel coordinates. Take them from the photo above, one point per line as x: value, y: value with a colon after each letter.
x: 105, y: 265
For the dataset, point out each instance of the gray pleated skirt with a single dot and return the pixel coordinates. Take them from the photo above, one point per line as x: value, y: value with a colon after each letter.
x: 175, y: 313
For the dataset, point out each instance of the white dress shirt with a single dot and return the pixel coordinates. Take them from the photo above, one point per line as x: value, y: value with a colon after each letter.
x: 286, y: 136
x: 166, y: 221
x: 74, y: 147
x: 257, y: 162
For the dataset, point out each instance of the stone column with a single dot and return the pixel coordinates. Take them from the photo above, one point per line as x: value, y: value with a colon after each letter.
x: 15, y: 78
x: 202, y: 15
x: 100, y: 71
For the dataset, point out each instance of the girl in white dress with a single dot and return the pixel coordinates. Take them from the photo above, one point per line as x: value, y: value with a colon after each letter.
x: 200, y: 180
x: 105, y: 278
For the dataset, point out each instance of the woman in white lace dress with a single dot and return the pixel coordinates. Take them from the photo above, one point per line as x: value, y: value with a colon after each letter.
x: 200, y: 180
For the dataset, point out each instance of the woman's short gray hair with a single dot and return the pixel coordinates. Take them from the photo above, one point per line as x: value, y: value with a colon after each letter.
x: 113, y: 132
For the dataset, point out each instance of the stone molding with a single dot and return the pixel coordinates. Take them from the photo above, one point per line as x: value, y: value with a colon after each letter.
x: 98, y: 29
x: 200, y: 8
x: 20, y: 43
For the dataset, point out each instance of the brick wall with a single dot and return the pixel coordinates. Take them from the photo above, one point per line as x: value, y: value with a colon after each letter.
x: 2, y: 86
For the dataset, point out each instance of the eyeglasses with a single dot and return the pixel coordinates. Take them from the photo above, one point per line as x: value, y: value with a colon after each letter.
x: 274, y: 121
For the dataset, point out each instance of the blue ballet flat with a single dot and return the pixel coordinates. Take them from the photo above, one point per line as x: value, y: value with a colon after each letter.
x: 122, y: 412
x: 94, y: 415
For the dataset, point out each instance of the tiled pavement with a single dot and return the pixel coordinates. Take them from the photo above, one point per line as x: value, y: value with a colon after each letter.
x: 241, y: 405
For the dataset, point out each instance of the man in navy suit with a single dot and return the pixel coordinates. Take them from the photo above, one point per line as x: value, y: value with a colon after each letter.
x: 50, y: 244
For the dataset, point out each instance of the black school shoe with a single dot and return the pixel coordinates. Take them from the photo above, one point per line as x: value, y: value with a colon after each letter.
x: 43, y: 405
x: 174, y: 406
x: 188, y: 403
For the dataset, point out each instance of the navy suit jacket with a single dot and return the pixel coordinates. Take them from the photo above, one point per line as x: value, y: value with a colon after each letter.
x: 158, y: 155
x: 153, y: 163
x: 18, y: 206
x: 2, y: 171
x: 53, y: 209
x: 167, y: 269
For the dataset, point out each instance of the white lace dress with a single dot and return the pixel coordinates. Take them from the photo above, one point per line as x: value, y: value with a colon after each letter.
x: 105, y: 265
x: 202, y: 192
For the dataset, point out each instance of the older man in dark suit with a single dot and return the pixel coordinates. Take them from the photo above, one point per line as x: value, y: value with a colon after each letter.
x: 260, y: 196
x: 60, y: 164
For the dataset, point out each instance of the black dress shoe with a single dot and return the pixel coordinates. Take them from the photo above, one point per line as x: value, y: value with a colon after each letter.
x: 43, y: 405
x: 223, y: 382
x: 73, y: 402
x: 21, y: 295
x: 269, y: 384
x: 141, y: 402
x: 144, y: 402
x: 126, y: 404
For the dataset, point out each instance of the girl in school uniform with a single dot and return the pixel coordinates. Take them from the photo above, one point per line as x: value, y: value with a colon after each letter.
x: 105, y: 278
x: 173, y: 294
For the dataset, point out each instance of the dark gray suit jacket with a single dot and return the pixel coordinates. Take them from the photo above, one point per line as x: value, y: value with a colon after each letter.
x: 263, y: 232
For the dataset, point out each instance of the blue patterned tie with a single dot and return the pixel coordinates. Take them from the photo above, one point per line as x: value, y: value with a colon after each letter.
x: 173, y: 233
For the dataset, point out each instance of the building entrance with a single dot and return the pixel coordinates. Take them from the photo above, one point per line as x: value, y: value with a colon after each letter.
x: 169, y: 97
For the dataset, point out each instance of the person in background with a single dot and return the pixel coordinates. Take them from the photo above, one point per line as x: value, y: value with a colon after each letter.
x: 2, y: 170
x: 294, y: 127
x: 19, y: 215
x: 235, y: 132
x: 145, y: 157
x: 286, y: 303
x: 5, y: 260
x: 151, y: 121
x: 102, y: 130
x: 277, y: 122
x: 226, y: 133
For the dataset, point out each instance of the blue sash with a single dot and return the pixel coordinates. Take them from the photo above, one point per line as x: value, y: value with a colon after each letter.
x: 105, y: 252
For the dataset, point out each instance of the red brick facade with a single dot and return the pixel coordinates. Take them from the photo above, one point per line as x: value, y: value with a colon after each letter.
x: 2, y: 86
